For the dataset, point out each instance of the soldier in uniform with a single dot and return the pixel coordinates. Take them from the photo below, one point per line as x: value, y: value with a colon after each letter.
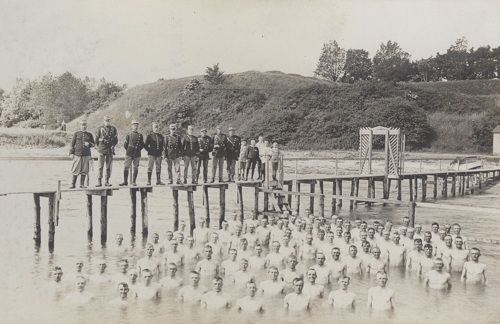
x: 232, y: 153
x: 190, y: 150
x: 173, y: 154
x: 80, y: 154
x: 134, y: 143
x: 219, y: 153
x: 154, y: 146
x: 106, y: 138
x: 206, y: 146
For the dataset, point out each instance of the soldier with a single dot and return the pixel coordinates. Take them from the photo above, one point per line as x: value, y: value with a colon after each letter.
x: 154, y: 146
x: 134, y: 143
x: 80, y: 154
x: 206, y: 146
x: 106, y: 138
x: 173, y: 153
x: 219, y: 152
x: 232, y: 153
x: 260, y: 145
x: 191, y: 150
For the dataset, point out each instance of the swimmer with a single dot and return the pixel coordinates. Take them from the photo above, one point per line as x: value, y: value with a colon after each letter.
x: 207, y: 267
x: 234, y: 240
x: 414, y: 256
x: 356, y: 229
x: 101, y: 276
x: 474, y: 272
x: 252, y: 237
x: 233, y: 221
x: 217, y: 248
x: 122, y: 275
x: 338, y: 240
x: 297, y: 301
x: 166, y: 242
x: 148, y: 290
x: 418, y: 232
x: 384, y: 244
x: 406, y: 221
x: 275, y: 258
x: 308, y: 250
x: 200, y: 233
x: 311, y: 288
x: 55, y: 288
x: 80, y: 297
x: 353, y: 263
x: 257, y: 261
x: 290, y: 272
x: 365, y: 254
x: 342, y: 298
x: 456, y: 232
x: 173, y: 255
x: 397, y: 252
x: 149, y: 262
x: 376, y: 263
x: 191, y: 253
x: 180, y: 239
x: 228, y: 267
x: 459, y: 255
x: 409, y: 241
x: 426, y: 262
x: 346, y: 243
x: 171, y: 281
x: 157, y: 245
x: 327, y: 247
x: 119, y: 249
x: 440, y: 243
x: 70, y: 278
x: 192, y: 293
x: 435, y: 230
x: 250, y: 303
x: 286, y: 250
x: 446, y: 252
x: 242, y: 275
x: 278, y: 231
x: 272, y: 287
x: 132, y: 280
x: 243, y: 252
x: 123, y: 299
x: 182, y: 229
x: 216, y: 299
x: 371, y: 237
x: 324, y: 274
x: 437, y: 278
x: 264, y: 232
x: 428, y: 240
x: 381, y: 297
x: 224, y: 235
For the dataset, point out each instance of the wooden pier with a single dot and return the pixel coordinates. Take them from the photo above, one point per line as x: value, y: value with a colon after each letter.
x: 278, y: 195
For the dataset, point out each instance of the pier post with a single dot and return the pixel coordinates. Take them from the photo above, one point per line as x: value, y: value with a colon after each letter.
x: 37, y: 235
x: 222, y: 203
x: 384, y: 188
x: 90, y: 230
x: 424, y: 187
x: 207, y: 206
x: 463, y: 185
x: 240, y: 201
x: 192, y: 218
x: 266, y: 201
x: 410, y: 185
x: 453, y: 185
x: 357, y: 190
x: 321, y: 200
x: 297, y: 189
x: 175, y: 201
x: 311, y: 199
x: 52, y: 227
x: 411, y: 212
x: 334, y: 200
x: 290, y: 188
x: 416, y: 189
x: 133, y: 210
x: 400, y: 190
x: 435, y: 190
x: 445, y: 186
x: 144, y: 212
x: 373, y: 187
x: 480, y: 177
x: 104, y: 219
x: 256, y: 202
x: 353, y: 190
x: 339, y: 190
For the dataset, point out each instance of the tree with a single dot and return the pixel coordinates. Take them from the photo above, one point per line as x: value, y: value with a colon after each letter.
x: 358, y: 66
x: 331, y: 64
x: 455, y: 61
x: 214, y: 76
x: 391, y: 63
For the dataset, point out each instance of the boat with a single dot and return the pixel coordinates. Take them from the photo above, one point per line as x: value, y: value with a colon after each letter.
x: 466, y: 163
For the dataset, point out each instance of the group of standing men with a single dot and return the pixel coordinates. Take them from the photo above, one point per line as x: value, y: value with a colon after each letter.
x: 194, y: 151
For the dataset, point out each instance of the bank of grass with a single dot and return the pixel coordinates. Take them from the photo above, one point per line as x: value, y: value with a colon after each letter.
x: 32, y: 137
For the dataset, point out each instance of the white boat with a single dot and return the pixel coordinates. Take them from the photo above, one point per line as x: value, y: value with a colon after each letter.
x: 466, y: 163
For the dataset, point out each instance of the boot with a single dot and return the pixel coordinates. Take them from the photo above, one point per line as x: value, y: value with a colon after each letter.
x: 73, y: 182
x: 107, y: 184
x: 82, y: 181
x: 135, y: 177
x: 125, y: 178
x: 149, y: 179
x: 158, y: 179
x: 99, y: 182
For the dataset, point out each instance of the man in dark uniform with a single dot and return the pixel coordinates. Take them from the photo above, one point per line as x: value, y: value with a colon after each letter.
x: 106, y: 138
x: 232, y: 153
x: 154, y: 145
x: 190, y: 150
x: 80, y: 154
x: 206, y: 146
x: 218, y: 153
x: 134, y: 143
x: 173, y: 154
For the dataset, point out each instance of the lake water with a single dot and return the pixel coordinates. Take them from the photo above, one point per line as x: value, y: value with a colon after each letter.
x: 25, y: 268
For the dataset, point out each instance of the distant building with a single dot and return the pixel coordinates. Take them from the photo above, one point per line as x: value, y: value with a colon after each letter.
x: 496, y: 141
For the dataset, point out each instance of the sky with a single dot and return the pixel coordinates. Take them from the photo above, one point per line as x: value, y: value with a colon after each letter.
x: 140, y: 41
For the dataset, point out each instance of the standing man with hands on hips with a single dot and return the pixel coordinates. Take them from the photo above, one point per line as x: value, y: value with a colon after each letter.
x: 106, y: 139
x: 134, y: 143
x: 80, y: 154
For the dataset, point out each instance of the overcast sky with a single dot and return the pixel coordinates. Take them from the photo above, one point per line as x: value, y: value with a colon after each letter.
x: 140, y: 41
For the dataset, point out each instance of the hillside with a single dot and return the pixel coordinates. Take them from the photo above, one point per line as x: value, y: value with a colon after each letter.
x: 308, y: 113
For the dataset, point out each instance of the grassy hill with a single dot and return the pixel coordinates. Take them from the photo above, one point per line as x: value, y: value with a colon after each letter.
x: 308, y: 113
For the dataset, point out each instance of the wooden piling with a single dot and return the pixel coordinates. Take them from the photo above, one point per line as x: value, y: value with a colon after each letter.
x: 256, y: 202
x: 384, y: 188
x: 104, y: 219
x: 266, y: 202
x: 144, y: 212
x: 415, y: 192
x: 297, y: 189
x: 90, y: 229
x: 133, y: 210
x: 356, y: 193
x: 453, y: 185
x: 311, y: 199
x: 339, y: 191
x: 400, y: 190
x: 321, y: 200
x: 290, y: 188
x: 207, y: 206
x: 410, y: 185
x: 353, y: 190
x: 468, y: 181
x: 37, y: 234
x: 480, y: 177
x: 463, y: 185
x: 373, y: 187
x: 435, y: 190
x: 52, y: 227
x: 424, y: 187
x: 222, y: 203
x: 175, y: 201
x: 411, y: 212
x: 192, y: 218
x: 240, y: 201
x: 445, y: 186
x: 334, y: 201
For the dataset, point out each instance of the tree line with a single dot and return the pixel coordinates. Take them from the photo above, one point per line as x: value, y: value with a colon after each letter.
x: 391, y: 63
x: 50, y: 100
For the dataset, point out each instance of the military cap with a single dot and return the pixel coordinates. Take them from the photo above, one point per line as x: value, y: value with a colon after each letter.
x: 107, y: 118
x: 203, y: 130
x: 231, y: 128
x: 135, y: 122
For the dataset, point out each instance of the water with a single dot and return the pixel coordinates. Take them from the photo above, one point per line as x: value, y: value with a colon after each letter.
x: 25, y: 268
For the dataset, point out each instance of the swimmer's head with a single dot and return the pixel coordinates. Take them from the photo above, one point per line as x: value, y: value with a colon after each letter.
x: 335, y: 253
x: 298, y: 284
x: 344, y: 282
x: 217, y: 283
x: 475, y: 253
x: 320, y: 258
x: 123, y: 289
x: 57, y: 274
x: 381, y: 278
x: 194, y: 278
x: 80, y: 283
x: 311, y: 275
